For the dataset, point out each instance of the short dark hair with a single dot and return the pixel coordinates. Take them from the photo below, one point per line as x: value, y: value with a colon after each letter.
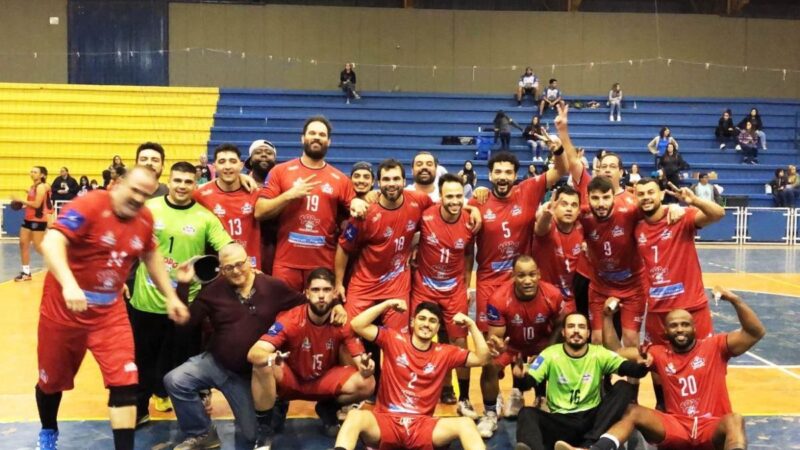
x: 425, y: 152
x: 183, y: 166
x: 318, y: 118
x: 449, y: 178
x: 521, y: 257
x: 150, y: 146
x: 43, y: 171
x: 566, y: 190
x: 504, y: 157
x: 120, y: 171
x: 610, y: 154
x: 434, y: 308
x: 585, y: 317
x: 601, y: 184
x: 226, y: 147
x: 391, y: 163
x: 552, y: 80
x: 702, y: 175
x: 321, y: 273
x: 65, y: 169
x: 647, y: 180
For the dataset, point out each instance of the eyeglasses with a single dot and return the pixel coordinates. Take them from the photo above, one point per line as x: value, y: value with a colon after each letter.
x: 230, y: 268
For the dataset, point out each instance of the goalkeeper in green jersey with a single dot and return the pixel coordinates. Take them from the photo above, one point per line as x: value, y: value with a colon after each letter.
x: 184, y: 229
x: 574, y: 372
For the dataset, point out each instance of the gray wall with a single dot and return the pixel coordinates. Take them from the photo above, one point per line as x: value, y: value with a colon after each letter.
x: 457, y: 40
x: 25, y: 29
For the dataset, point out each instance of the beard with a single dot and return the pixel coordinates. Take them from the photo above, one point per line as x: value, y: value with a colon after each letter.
x: 575, y: 346
x: 315, y: 154
x: 690, y: 339
x: 418, y: 178
x: 261, y: 169
x: 321, y: 311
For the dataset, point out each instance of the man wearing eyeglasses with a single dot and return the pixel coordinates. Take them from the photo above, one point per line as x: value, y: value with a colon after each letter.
x: 242, y: 304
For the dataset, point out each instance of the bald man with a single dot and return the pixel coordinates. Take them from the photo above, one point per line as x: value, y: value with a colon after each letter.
x: 698, y: 411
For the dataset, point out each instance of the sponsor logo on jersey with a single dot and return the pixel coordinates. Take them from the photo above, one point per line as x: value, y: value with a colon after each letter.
x: 327, y: 189
x: 698, y: 362
x: 108, y: 239
x: 329, y: 344
x: 489, y: 215
x: 219, y: 210
x: 690, y: 407
x: 275, y: 329
x: 537, y: 362
x: 642, y: 239
x: 158, y: 225
x: 306, y: 346
x: 658, y: 274
x: 617, y: 231
x: 492, y: 313
x: 429, y: 368
x: 432, y: 239
x: 594, y: 235
x: 666, y: 234
x: 427, y: 218
x: 308, y: 222
x: 516, y: 210
x: 402, y: 360
x: 586, y: 378
x: 516, y: 320
x: 351, y: 232
x: 459, y: 245
x: 623, y: 209
x: 189, y: 230
x: 247, y: 208
x: 411, y: 225
x: 559, y: 252
x: 670, y: 369
x: 576, y: 250
x: 388, y: 232
x: 540, y: 318
x: 116, y: 258
x: 206, y: 192
x: 136, y: 243
x: 562, y: 379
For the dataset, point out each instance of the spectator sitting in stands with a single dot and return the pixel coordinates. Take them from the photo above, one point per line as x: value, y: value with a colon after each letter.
x: 615, y: 103
x: 536, y: 137
x: 106, y: 178
x: 347, y: 81
x: 64, y: 187
x: 528, y: 85
x: 633, y: 175
x: 706, y: 190
x: 469, y: 172
x: 748, y: 143
x: 207, y: 170
x: 793, y: 183
x: 83, y: 186
x: 116, y: 161
x: 551, y: 97
x: 201, y: 177
x: 502, y: 129
x: 596, y: 161
x: 670, y: 166
x: 532, y: 171
x: 755, y: 118
x: 94, y: 184
x: 780, y: 192
x: 725, y: 131
x: 658, y: 146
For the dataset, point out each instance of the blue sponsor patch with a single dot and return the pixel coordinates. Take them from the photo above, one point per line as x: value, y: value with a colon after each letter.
x: 276, y: 328
x: 492, y: 313
x: 72, y: 220
x: 537, y: 362
x: 351, y: 232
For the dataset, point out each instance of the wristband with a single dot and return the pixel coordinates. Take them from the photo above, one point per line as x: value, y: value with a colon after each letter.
x: 559, y: 151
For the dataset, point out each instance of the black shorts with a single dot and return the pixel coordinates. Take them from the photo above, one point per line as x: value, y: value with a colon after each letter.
x: 34, y: 226
x: 529, y: 90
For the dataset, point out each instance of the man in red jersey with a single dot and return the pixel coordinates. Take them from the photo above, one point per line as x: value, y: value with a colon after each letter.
x: 312, y: 347
x: 89, y: 252
x: 444, y: 270
x: 616, y: 268
x: 698, y: 411
x: 413, y: 374
x: 307, y: 194
x: 527, y: 312
x: 383, y: 240
x: 670, y: 257
x: 260, y: 162
x: 233, y: 205
x: 558, y: 239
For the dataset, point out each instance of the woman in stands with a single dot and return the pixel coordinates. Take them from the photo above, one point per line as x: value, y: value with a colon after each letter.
x: 783, y: 196
x: 469, y: 171
x: 535, y: 135
x: 116, y: 162
x: 755, y: 118
x: 615, y: 103
x: 748, y: 143
x: 671, y: 165
x: 502, y: 129
x: 83, y: 186
x: 38, y: 209
x: 347, y: 81
x: 725, y: 130
x: 658, y: 146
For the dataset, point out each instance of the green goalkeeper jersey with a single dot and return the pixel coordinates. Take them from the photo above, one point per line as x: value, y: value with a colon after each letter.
x: 573, y: 384
x: 183, y: 232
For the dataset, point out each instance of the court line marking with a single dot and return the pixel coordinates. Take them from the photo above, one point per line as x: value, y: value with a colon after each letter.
x: 773, y: 365
x: 745, y: 366
x: 757, y: 275
x: 779, y: 294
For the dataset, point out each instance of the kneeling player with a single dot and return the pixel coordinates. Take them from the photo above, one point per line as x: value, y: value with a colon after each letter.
x: 698, y: 411
x: 413, y: 372
x: 312, y: 348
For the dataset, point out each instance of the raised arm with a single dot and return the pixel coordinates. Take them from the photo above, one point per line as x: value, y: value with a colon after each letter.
x: 480, y: 355
x: 362, y: 324
x: 752, y: 330
x: 708, y: 211
x: 557, y: 147
x: 545, y: 219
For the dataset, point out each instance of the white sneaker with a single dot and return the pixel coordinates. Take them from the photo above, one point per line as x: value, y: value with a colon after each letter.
x: 515, y: 403
x: 610, y: 118
x: 722, y: 146
x: 619, y: 118
x: 500, y: 407
x: 738, y: 148
x: 465, y: 409
x: 487, y: 425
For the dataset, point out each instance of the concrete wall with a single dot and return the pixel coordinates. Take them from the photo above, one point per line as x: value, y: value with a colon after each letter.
x: 25, y: 30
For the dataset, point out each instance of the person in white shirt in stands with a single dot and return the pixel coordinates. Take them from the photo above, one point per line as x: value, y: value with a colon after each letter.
x: 551, y: 97
x: 425, y: 172
x: 706, y: 190
x: 528, y: 85
x: 615, y: 103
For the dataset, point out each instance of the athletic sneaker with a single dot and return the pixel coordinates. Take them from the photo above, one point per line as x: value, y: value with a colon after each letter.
x: 561, y: 445
x: 48, y: 440
x: 465, y: 409
x: 162, y: 404
x: 264, y: 436
x: 202, y: 442
x: 515, y: 403
x: 23, y: 277
x: 488, y: 424
x: 722, y: 146
x: 142, y: 420
x: 448, y: 396
x: 500, y: 405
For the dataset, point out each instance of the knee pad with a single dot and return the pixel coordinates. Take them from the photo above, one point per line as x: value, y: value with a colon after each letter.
x: 121, y: 396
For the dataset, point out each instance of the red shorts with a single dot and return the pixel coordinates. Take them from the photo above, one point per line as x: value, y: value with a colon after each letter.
x: 294, y: 278
x: 482, y: 294
x: 631, y: 309
x: 687, y: 433
x: 395, y: 320
x: 451, y: 305
x: 508, y: 357
x: 61, y: 350
x: 654, y: 332
x: 405, y: 432
x: 329, y: 385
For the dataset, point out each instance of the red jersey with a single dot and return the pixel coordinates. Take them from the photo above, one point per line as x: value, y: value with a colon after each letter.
x: 611, y: 247
x: 44, y: 210
x: 506, y: 229
x: 384, y: 239
x: 236, y: 212
x: 412, y: 379
x: 671, y: 263
x: 102, y: 249
x: 529, y: 325
x: 694, y: 382
x: 440, y: 256
x: 307, y: 226
x: 557, y: 254
x: 314, y: 348
x: 582, y: 187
